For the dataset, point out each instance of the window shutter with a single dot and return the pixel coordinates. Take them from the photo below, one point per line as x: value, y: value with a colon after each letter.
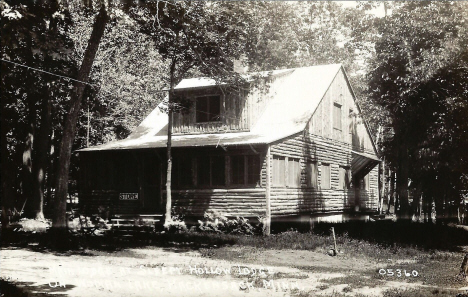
x: 325, y: 176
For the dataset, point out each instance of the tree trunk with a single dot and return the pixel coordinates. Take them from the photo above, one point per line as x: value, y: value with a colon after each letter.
x: 416, y: 206
x: 63, y: 166
x: 168, y: 217
x: 8, y: 195
x: 402, y: 183
x: 40, y: 161
x: 391, y: 197
x: 427, y: 204
x: 26, y: 172
x: 51, y: 156
x: 381, y: 185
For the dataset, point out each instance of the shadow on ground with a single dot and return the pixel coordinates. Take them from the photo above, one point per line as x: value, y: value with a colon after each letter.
x: 384, y: 233
x: 421, y: 235
x: 27, y: 289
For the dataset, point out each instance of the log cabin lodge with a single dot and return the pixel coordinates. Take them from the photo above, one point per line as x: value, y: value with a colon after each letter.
x: 291, y: 147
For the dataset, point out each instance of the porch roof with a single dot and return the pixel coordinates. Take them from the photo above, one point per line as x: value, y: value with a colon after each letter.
x: 192, y: 140
x: 362, y: 163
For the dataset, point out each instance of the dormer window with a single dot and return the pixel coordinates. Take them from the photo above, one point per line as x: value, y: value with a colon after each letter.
x: 208, y: 109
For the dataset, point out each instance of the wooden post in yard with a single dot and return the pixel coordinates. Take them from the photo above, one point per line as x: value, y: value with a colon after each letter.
x: 334, y: 238
x: 267, y: 194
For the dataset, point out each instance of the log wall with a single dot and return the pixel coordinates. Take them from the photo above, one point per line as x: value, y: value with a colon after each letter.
x: 229, y: 202
x: 306, y: 200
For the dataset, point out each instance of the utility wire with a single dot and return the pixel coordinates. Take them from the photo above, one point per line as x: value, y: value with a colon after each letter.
x: 61, y: 76
x: 94, y: 85
x: 50, y: 73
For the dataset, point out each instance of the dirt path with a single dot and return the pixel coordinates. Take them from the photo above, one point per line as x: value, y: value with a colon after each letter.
x: 164, y: 272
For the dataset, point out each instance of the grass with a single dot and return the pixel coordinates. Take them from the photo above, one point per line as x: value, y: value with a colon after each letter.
x: 354, y: 281
x: 424, y: 292
x: 420, y: 292
x: 403, y: 234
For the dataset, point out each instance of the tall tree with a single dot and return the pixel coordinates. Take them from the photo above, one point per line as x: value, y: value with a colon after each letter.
x: 418, y: 74
x: 34, y: 33
x: 63, y: 166
x: 193, y: 36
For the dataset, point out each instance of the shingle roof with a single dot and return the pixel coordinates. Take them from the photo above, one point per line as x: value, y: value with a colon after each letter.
x: 296, y: 93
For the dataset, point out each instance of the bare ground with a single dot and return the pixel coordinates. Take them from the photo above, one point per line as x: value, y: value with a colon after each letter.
x: 155, y: 271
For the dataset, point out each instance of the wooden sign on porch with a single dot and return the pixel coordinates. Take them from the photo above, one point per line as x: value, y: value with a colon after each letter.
x: 128, y: 196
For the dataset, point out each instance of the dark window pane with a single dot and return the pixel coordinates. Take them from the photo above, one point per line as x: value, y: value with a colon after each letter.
x: 237, y: 170
x: 151, y: 169
x: 202, y: 109
x: 182, y: 171
x: 214, y: 109
x: 217, y: 170
x: 203, y: 168
x: 208, y: 109
x: 185, y: 172
x: 253, y: 167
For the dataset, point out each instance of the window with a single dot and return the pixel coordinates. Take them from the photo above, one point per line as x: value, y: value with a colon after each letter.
x: 203, y: 171
x: 237, y: 170
x: 337, y: 116
x: 211, y: 171
x: 245, y: 170
x: 294, y: 171
x: 325, y: 176
x: 218, y: 165
x: 182, y: 171
x: 253, y: 170
x: 365, y: 183
x: 279, y: 169
x: 208, y: 109
x: 312, y: 174
x: 345, y: 178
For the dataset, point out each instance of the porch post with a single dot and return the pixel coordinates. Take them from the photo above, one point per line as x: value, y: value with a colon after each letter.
x: 267, y: 193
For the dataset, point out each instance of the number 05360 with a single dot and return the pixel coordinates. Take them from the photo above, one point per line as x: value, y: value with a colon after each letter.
x: 398, y: 272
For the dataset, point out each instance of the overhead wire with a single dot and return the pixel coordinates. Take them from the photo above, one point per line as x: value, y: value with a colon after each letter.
x: 96, y: 86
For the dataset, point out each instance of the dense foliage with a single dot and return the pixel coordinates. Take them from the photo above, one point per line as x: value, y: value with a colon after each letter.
x: 419, y: 76
x: 408, y: 68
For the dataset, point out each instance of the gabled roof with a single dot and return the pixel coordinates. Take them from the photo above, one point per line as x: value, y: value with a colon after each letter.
x: 295, y: 94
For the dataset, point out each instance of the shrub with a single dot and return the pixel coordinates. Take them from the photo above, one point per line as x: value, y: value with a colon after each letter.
x: 218, y: 223
x: 239, y: 225
x: 175, y: 226
x: 213, y: 222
